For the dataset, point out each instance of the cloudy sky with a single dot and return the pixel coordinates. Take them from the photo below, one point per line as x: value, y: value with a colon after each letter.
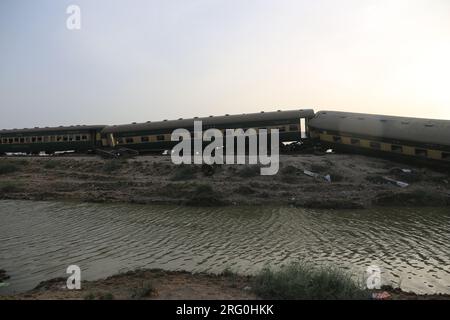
x: 144, y: 60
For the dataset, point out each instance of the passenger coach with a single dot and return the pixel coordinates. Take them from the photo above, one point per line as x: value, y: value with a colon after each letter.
x: 383, y: 135
x: 50, y: 140
x: 157, y: 135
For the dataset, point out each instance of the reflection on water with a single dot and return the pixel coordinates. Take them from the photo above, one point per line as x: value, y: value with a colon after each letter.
x: 38, y: 240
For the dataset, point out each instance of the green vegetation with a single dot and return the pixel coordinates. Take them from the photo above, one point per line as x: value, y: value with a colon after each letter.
x: 184, y: 172
x: 89, y: 296
x: 8, y: 167
x: 303, y: 281
x: 147, y: 289
x: 205, y: 196
x: 106, y: 296
x: 51, y: 164
x: 249, y: 171
x: 244, y: 190
x: 112, y: 165
x: 9, y: 187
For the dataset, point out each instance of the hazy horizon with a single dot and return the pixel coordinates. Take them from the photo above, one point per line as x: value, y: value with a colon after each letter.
x: 153, y: 60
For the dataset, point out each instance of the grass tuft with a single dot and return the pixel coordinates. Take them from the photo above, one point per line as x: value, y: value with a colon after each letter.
x: 305, y: 282
x: 146, y: 290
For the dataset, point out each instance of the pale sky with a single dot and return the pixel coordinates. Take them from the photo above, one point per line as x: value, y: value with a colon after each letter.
x: 152, y: 60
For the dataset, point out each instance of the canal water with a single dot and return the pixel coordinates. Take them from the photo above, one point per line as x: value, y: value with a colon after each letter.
x: 38, y: 240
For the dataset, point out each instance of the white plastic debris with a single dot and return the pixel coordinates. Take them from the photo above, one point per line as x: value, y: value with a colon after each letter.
x: 316, y: 175
x: 398, y: 183
x: 406, y: 170
x: 311, y: 174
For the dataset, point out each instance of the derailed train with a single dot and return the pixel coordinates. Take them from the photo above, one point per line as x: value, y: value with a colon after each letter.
x: 411, y: 138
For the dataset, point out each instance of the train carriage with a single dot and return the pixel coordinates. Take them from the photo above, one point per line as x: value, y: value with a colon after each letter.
x: 157, y: 135
x: 399, y: 137
x: 49, y: 140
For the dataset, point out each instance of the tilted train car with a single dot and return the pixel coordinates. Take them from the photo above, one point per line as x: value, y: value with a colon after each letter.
x: 400, y: 137
x: 50, y: 140
x: 157, y: 135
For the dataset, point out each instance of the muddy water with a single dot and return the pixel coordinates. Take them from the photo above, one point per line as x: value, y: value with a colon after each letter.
x: 38, y: 240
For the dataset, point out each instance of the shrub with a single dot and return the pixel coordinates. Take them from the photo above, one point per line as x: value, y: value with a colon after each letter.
x: 184, y: 172
x: 249, y: 171
x: 106, y: 296
x: 145, y: 290
x: 89, y: 296
x: 8, y: 167
x: 303, y: 281
x: 50, y: 164
x: 9, y: 187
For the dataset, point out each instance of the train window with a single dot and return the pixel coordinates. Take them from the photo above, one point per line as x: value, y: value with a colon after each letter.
x: 78, y: 138
x: 70, y: 138
x: 10, y: 140
x: 52, y: 138
x: 160, y: 138
x: 421, y: 152
x: 45, y: 139
x: 396, y: 148
x: 145, y: 139
x: 129, y: 140
x: 5, y: 140
x: 83, y: 137
x: 33, y: 139
x: 58, y: 138
x: 355, y: 142
x: 293, y: 127
x: 27, y: 139
x: 337, y: 139
x: 65, y: 138
x: 39, y: 139
x: 22, y: 140
x: 375, y: 145
x: 446, y: 155
x: 16, y: 140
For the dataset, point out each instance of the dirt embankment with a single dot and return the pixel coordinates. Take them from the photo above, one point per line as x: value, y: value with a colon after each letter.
x: 354, y: 181
x: 172, y: 285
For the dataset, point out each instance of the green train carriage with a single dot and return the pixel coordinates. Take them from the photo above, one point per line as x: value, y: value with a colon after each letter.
x: 50, y: 139
x: 151, y: 136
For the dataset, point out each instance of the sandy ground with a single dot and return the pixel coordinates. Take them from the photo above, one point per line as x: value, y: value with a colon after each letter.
x: 356, y: 182
x: 170, y: 285
x: 147, y: 284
